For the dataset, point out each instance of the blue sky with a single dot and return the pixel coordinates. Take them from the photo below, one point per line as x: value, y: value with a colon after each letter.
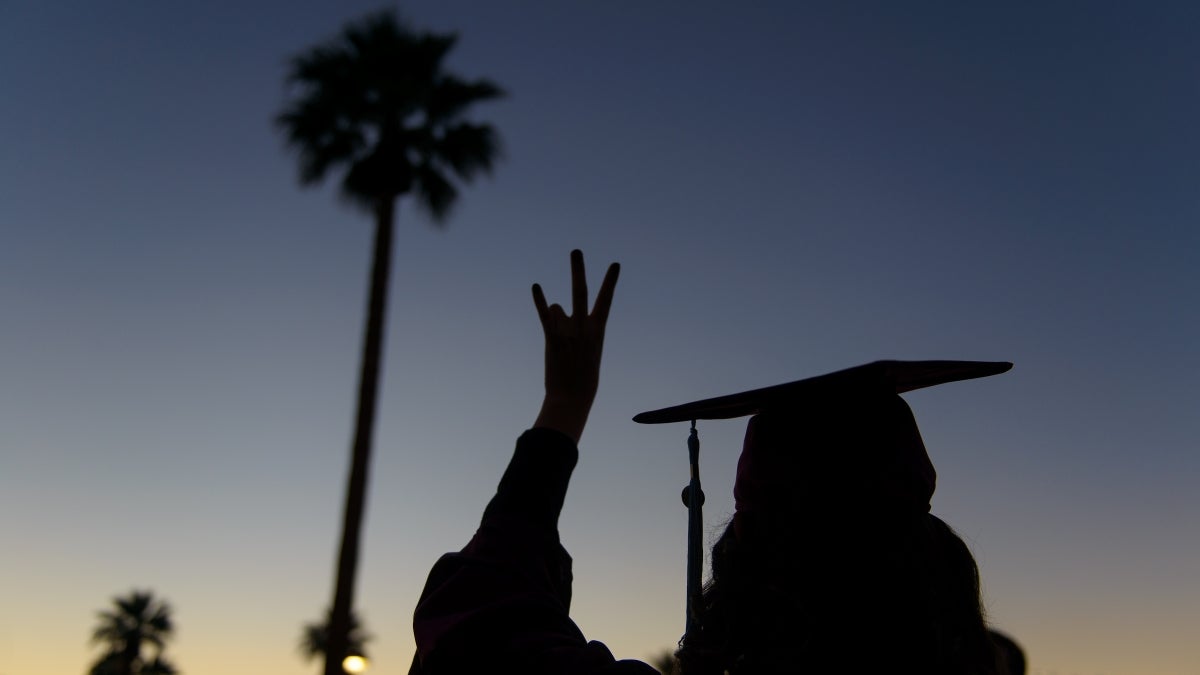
x: 791, y: 189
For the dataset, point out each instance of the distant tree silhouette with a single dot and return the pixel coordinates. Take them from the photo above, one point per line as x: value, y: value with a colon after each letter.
x: 136, y: 620
x: 376, y: 104
x: 314, y: 640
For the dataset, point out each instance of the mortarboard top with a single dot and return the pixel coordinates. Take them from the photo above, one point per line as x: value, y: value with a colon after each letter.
x: 894, y: 376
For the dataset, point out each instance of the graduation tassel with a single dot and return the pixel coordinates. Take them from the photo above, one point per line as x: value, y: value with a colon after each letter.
x: 693, y: 498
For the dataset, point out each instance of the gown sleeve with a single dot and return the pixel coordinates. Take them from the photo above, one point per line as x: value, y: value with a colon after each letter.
x: 502, y: 603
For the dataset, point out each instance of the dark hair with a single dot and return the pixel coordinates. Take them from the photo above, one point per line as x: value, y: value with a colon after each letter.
x: 845, y: 592
x: 1010, y: 655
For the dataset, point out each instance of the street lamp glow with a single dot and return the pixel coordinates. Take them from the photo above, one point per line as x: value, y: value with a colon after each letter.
x: 354, y: 664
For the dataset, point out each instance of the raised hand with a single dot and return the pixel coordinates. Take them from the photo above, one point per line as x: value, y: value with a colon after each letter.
x: 573, y: 347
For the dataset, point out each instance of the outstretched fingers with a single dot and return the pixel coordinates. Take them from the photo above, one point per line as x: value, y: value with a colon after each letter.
x: 605, y: 296
x: 553, y: 317
x: 578, y: 286
x: 539, y: 302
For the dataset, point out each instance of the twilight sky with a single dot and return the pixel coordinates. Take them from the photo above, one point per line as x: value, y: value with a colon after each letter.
x: 791, y: 188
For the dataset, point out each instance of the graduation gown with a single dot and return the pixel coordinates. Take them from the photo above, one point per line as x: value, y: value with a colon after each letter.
x: 502, y: 603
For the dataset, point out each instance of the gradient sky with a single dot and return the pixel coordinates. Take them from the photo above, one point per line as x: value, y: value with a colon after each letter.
x: 792, y: 188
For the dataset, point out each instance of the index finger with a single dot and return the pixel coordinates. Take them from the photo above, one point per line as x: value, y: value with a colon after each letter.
x: 605, y: 296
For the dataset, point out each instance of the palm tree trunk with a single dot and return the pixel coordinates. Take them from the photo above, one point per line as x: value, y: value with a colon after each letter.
x: 131, y: 654
x: 368, y: 391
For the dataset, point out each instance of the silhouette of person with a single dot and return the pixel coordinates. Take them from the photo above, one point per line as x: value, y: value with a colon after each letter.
x: 501, y: 604
x: 832, y: 562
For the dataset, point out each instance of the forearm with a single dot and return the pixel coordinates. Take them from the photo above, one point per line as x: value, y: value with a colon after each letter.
x: 563, y: 415
x: 534, y: 485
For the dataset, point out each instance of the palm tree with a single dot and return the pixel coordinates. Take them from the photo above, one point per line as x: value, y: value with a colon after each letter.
x: 133, y: 621
x: 376, y: 103
x: 314, y: 640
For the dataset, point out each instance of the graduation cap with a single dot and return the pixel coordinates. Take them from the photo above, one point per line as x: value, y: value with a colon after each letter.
x: 844, y: 440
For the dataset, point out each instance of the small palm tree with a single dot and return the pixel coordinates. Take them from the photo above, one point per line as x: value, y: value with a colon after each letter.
x: 375, y: 104
x: 134, y: 621
x: 314, y: 640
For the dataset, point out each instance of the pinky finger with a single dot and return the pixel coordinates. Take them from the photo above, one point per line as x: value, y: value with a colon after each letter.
x: 539, y: 302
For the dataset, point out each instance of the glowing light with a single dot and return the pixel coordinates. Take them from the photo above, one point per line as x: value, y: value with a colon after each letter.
x: 354, y: 664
